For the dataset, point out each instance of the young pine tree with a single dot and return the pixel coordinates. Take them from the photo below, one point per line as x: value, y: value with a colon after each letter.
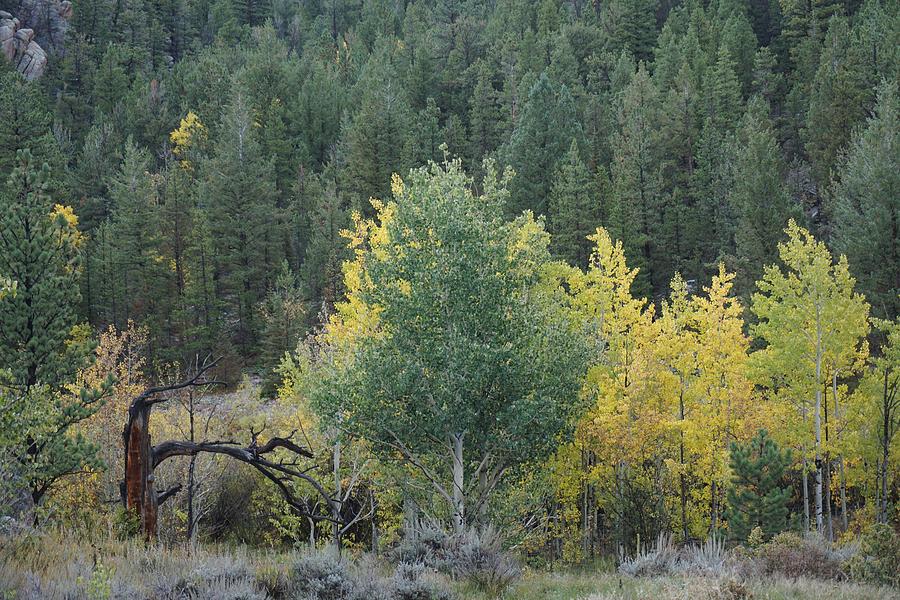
x: 239, y: 200
x: 40, y: 346
x: 866, y: 202
x: 545, y: 130
x: 574, y: 209
x: 756, y: 498
x: 39, y: 249
x: 636, y: 181
x: 758, y: 197
x: 282, y: 312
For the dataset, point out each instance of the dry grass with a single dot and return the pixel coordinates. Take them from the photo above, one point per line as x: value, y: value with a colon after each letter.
x: 610, y: 586
x: 49, y: 566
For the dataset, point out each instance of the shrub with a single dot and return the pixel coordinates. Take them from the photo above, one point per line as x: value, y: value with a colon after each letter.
x: 707, y: 559
x: 659, y: 559
x: 415, y: 582
x: 230, y: 589
x: 273, y: 579
x: 477, y: 556
x: 320, y: 576
x: 424, y: 544
x: 878, y: 558
x: 791, y: 555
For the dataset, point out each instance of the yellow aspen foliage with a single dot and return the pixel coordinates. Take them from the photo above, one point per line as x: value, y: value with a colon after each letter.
x: 669, y: 393
x: 814, y: 325
x: 190, y: 134
x: 624, y: 324
x: 90, y: 497
x: 705, y: 352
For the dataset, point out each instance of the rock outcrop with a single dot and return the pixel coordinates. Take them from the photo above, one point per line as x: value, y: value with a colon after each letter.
x: 18, y: 44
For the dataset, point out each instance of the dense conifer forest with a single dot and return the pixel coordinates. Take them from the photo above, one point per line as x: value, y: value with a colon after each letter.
x: 421, y: 299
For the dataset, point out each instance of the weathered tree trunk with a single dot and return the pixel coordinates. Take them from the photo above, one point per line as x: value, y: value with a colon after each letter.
x: 139, y: 494
x: 137, y: 489
x: 459, y: 501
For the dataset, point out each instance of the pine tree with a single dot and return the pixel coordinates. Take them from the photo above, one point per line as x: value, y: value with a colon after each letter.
x: 484, y: 117
x: 25, y: 123
x: 758, y: 197
x: 239, y: 201
x: 866, y: 206
x: 767, y: 82
x: 635, y: 174
x: 427, y: 136
x: 756, y: 498
x: 282, y: 313
x: 375, y: 142
x: 680, y: 135
x: 40, y: 346
x: 575, y: 209
x: 111, y: 80
x: 853, y: 61
x: 316, y: 112
x: 715, y: 173
x: 632, y: 24
x: 135, y: 230
x: 545, y: 129
x: 737, y: 37
x: 327, y: 249
x: 39, y: 249
x: 251, y: 12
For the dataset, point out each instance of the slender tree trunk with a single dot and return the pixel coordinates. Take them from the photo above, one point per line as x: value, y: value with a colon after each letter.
x: 336, y: 528
x: 714, y: 509
x: 375, y: 540
x: 885, y: 449
x: 837, y: 414
x: 191, y: 519
x: 844, y: 522
x: 817, y: 417
x: 806, y: 521
x: 585, y: 525
x: 826, y: 492
x: 459, y: 514
x: 681, y: 478
x: 826, y: 481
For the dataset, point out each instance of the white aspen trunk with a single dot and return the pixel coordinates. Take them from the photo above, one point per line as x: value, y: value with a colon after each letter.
x: 817, y: 417
x: 336, y: 528
x: 805, y: 495
x: 837, y: 414
x: 885, y: 448
x: 459, y: 503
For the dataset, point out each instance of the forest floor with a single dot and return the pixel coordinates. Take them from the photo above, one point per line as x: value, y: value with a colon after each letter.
x: 612, y: 586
